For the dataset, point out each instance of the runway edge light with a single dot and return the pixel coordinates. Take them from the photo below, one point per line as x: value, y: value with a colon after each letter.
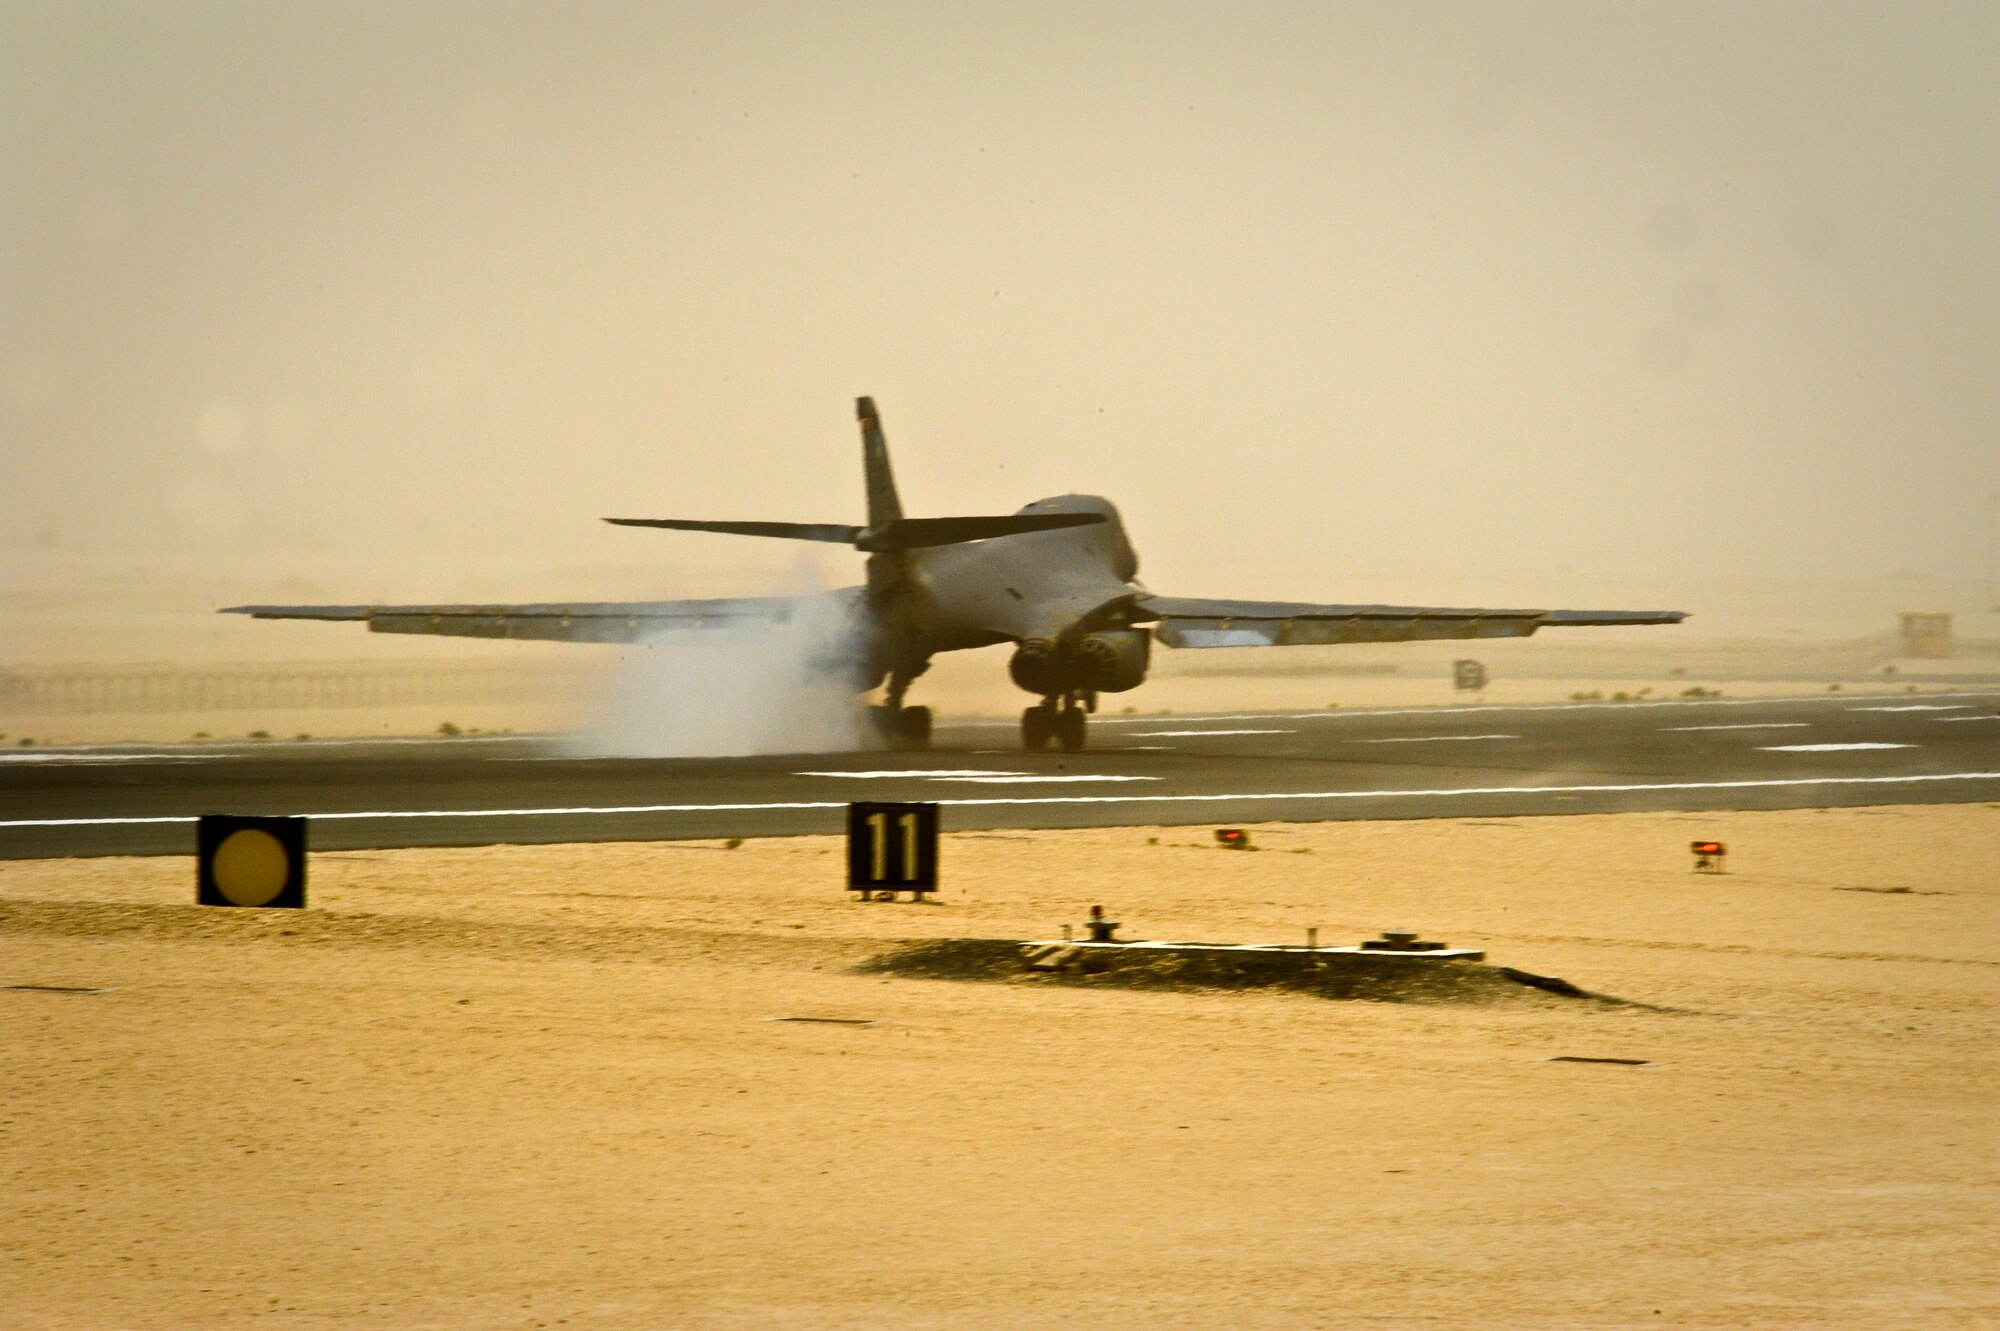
x: 1708, y: 855
x: 250, y: 862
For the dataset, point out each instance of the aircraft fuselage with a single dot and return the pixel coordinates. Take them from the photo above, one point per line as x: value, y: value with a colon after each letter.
x: 1065, y: 596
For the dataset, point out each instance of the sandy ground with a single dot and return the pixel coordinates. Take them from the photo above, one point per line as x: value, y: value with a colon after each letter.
x: 518, y: 1087
x: 954, y: 694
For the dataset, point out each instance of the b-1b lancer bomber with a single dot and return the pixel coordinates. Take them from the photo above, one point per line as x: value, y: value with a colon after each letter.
x: 1058, y: 579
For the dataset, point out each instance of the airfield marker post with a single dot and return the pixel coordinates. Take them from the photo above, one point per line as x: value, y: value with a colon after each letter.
x: 892, y: 848
x: 250, y: 862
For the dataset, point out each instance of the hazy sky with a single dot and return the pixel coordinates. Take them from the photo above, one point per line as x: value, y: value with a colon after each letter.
x: 1314, y: 292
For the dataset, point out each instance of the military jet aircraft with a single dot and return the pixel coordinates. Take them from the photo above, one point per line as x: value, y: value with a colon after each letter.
x: 1058, y: 579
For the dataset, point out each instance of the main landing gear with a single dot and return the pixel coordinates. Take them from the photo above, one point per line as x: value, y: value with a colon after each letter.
x: 902, y: 727
x: 1060, y: 719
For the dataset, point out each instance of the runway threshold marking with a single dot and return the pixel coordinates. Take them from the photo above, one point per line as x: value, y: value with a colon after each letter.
x: 1019, y: 800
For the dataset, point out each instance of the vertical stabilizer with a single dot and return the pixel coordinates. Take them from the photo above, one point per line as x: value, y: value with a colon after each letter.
x: 883, y: 505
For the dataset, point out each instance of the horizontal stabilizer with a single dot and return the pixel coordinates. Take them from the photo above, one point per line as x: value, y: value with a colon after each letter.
x: 899, y: 534
x: 790, y: 531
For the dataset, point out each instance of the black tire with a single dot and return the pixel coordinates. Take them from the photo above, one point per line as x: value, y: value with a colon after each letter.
x: 1072, y: 727
x: 1037, y: 729
x: 882, y: 722
x: 913, y: 728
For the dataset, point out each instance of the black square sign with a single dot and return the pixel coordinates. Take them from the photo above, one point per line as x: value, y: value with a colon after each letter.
x: 250, y: 861
x: 892, y: 847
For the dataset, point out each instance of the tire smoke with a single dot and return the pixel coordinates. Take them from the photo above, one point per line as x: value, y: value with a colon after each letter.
x: 751, y: 688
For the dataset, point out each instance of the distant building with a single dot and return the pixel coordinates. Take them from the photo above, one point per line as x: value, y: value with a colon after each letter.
x: 1926, y: 634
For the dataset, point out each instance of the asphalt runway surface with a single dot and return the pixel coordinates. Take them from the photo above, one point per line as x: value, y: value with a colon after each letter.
x: 1432, y: 762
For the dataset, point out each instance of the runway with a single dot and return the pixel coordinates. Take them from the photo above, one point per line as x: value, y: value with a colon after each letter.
x: 1433, y: 762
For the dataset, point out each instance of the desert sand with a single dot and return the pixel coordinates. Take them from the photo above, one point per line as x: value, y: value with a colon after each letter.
x: 521, y: 1087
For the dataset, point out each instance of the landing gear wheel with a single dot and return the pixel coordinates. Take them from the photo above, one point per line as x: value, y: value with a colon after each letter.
x: 1038, y: 727
x: 1071, y: 728
x: 902, y: 727
x: 913, y: 727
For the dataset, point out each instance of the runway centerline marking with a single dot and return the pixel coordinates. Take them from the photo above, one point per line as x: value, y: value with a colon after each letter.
x: 1428, y: 739
x: 1769, y: 783
x: 1831, y: 748
x: 1994, y: 717
x: 1750, y: 725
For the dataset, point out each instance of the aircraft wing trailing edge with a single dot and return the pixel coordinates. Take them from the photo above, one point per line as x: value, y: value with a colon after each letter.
x: 1203, y: 623
x: 894, y: 534
x: 579, y: 621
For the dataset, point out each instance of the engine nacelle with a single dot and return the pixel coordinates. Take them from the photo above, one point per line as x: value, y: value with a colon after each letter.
x: 1038, y: 667
x: 1108, y: 662
x: 1113, y: 661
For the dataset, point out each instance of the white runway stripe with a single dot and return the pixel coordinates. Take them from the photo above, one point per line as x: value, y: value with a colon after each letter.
x: 1829, y: 748
x: 979, y: 776
x: 1166, y: 734
x: 1026, y: 780
x: 58, y: 756
x: 1916, y: 707
x: 1428, y: 739
x: 1281, y: 796
x: 1749, y: 725
x: 906, y: 773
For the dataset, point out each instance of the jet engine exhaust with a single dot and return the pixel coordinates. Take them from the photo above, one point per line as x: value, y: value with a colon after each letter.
x: 1111, y: 661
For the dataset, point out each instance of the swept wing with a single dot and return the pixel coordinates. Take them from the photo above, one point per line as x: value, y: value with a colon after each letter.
x: 563, y: 621
x: 1202, y: 623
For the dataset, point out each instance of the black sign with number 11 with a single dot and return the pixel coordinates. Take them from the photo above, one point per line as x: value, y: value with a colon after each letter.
x: 892, y: 847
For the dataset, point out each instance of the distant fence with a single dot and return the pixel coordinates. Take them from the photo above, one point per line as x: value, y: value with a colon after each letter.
x: 81, y: 691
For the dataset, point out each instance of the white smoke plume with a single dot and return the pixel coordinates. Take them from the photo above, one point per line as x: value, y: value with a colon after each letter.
x: 749, y: 689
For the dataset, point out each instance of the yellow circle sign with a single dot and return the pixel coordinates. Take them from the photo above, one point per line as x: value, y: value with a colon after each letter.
x: 250, y: 868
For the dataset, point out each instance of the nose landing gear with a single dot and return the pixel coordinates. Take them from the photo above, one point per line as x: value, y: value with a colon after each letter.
x: 1060, y: 719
